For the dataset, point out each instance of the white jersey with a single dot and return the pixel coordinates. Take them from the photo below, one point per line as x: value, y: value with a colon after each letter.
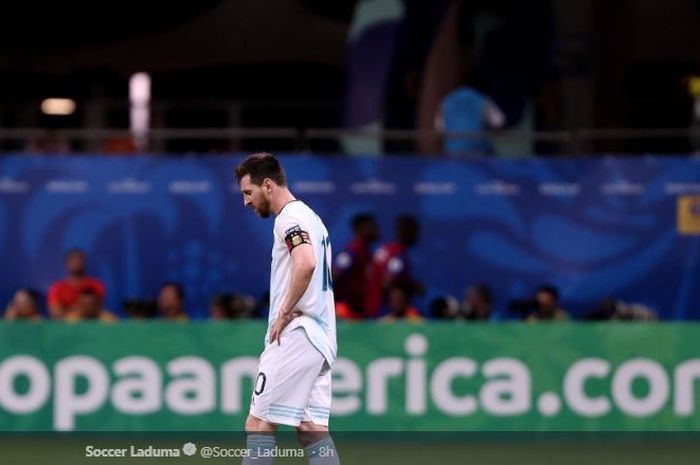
x: 297, y: 223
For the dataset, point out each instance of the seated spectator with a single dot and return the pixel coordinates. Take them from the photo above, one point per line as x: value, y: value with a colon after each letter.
x: 547, y: 305
x: 391, y: 266
x: 478, y: 302
x: 612, y: 309
x: 63, y: 294
x: 140, y: 309
x: 24, y: 306
x: 89, y: 307
x: 350, y: 268
x: 445, y: 308
x: 171, y: 302
x: 400, y: 308
x: 221, y: 307
x: 232, y: 306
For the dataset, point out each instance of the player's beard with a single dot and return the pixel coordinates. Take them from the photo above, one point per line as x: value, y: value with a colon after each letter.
x: 264, y: 210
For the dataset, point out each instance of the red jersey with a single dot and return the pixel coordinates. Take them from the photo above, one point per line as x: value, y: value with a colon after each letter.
x: 65, y: 293
x: 389, y: 265
x: 350, y: 275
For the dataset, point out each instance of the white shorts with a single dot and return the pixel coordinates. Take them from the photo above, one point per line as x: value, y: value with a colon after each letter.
x: 293, y: 383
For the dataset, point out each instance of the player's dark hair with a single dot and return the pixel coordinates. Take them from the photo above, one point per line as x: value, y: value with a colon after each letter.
x: 261, y: 166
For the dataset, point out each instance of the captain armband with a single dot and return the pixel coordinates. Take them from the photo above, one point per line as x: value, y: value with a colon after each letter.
x: 294, y: 237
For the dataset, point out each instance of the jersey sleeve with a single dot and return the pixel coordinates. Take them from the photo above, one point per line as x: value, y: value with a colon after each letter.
x: 293, y: 231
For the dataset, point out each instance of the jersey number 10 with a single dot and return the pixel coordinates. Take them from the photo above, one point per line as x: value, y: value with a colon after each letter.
x: 327, y: 279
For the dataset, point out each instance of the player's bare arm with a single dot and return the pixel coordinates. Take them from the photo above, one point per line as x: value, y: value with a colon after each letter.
x: 303, y: 265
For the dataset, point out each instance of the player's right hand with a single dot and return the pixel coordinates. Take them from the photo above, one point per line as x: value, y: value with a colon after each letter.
x: 281, y: 322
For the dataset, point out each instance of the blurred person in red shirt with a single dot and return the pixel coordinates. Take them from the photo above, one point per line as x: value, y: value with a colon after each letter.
x: 350, y: 268
x: 64, y: 294
x: 391, y: 266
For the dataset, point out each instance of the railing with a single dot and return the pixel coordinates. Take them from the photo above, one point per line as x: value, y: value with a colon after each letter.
x: 348, y: 141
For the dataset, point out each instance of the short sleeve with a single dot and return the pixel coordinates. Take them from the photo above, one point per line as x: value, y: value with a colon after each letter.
x: 293, y: 230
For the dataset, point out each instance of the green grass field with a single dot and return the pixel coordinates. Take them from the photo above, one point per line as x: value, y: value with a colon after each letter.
x: 641, y: 451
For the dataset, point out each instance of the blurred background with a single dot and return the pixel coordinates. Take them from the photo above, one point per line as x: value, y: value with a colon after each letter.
x: 349, y: 77
x: 482, y: 166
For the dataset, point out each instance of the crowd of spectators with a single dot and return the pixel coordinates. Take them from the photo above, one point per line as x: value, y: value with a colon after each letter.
x: 382, y: 284
x: 80, y: 297
x: 368, y: 284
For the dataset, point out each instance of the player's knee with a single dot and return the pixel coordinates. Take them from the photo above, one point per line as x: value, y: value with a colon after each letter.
x: 256, y: 425
x: 310, y: 433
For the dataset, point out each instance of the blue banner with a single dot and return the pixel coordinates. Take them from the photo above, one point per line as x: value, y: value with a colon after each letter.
x: 625, y: 228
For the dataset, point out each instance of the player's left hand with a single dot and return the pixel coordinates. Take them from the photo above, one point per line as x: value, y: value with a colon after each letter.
x: 281, y: 322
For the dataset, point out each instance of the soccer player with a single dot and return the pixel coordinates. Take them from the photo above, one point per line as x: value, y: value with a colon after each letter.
x: 293, y: 385
x: 350, y: 268
x: 391, y: 266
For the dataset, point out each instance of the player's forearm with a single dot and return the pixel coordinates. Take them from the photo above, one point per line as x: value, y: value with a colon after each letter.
x: 299, y: 281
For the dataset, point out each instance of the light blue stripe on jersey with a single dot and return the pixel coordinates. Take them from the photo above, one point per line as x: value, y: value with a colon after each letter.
x: 316, y: 407
x: 287, y: 407
x: 285, y: 414
x: 282, y: 415
x: 319, y: 413
x: 275, y: 413
x: 291, y: 412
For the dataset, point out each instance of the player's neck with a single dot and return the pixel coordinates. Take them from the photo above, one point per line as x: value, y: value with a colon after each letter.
x: 282, y: 198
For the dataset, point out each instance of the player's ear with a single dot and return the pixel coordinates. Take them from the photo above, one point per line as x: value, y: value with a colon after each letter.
x: 267, y: 185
